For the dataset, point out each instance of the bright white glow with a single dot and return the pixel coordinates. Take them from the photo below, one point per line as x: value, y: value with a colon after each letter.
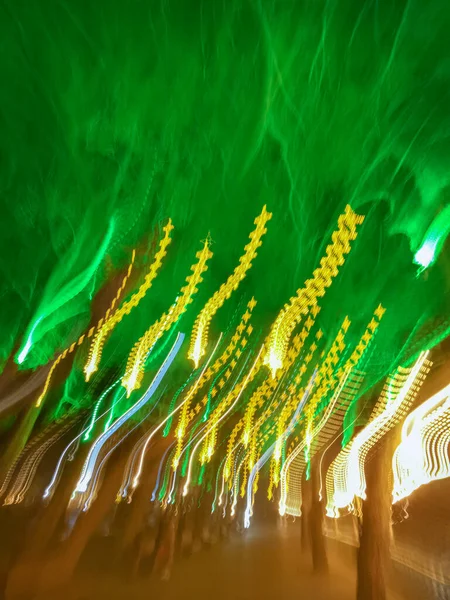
x: 426, y: 254
x: 24, y: 352
x: 422, y: 455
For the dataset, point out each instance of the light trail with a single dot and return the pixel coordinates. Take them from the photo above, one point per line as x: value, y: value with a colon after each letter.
x: 94, y: 452
x: 346, y: 478
x: 187, y: 399
x: 233, y: 404
x: 423, y: 454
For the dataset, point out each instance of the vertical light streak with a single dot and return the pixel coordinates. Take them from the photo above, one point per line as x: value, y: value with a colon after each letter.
x: 233, y: 350
x: 158, y: 478
x: 96, y: 409
x: 123, y: 491
x: 70, y: 447
x: 293, y: 506
x: 117, y: 398
x: 354, y: 387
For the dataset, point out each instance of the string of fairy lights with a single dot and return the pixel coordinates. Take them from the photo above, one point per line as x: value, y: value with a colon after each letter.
x: 253, y: 404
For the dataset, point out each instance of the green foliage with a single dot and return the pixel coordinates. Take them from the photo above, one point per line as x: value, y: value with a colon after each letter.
x: 117, y: 115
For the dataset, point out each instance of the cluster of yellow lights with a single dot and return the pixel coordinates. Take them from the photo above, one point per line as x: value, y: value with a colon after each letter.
x: 291, y: 495
x: 234, y: 351
x: 87, y: 335
x: 256, y: 401
x: 292, y: 400
x: 220, y: 413
x: 314, y: 288
x: 136, y: 361
x: 95, y: 352
x: 327, y: 377
x: 366, y: 338
x: 231, y: 444
x: 350, y: 384
x: 223, y: 409
x: 423, y: 454
x: 250, y: 434
x: 325, y: 381
x: 251, y: 457
x: 254, y: 438
x: 346, y: 477
x: 199, y: 338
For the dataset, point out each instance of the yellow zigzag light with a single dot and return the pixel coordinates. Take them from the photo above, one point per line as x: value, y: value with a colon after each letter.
x: 260, y: 396
x: 324, y: 382
x: 423, y: 454
x: 225, y: 407
x: 347, y: 392
x: 222, y: 411
x: 89, y: 334
x: 199, y: 338
x: 95, y: 352
x: 186, y: 414
x: 136, y: 361
x: 289, y: 408
x: 346, y: 477
x: 314, y: 288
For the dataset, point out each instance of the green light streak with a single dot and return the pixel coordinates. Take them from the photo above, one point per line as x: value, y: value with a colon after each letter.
x: 21, y: 356
x: 120, y: 393
x: 96, y: 409
x: 59, y: 293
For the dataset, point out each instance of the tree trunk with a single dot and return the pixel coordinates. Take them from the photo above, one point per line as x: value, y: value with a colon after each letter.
x: 25, y: 572
x: 165, y: 551
x: 141, y: 498
x: 306, y: 515
x: 318, y: 547
x: 20, y: 437
x: 375, y: 536
x: 60, y: 568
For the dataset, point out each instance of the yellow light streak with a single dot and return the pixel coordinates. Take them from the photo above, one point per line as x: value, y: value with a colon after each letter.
x: 136, y: 361
x: 225, y: 408
x: 306, y: 298
x: 96, y: 349
x: 199, y: 338
x: 237, y: 340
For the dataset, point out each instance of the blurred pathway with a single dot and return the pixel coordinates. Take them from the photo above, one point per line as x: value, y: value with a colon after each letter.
x: 263, y: 563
